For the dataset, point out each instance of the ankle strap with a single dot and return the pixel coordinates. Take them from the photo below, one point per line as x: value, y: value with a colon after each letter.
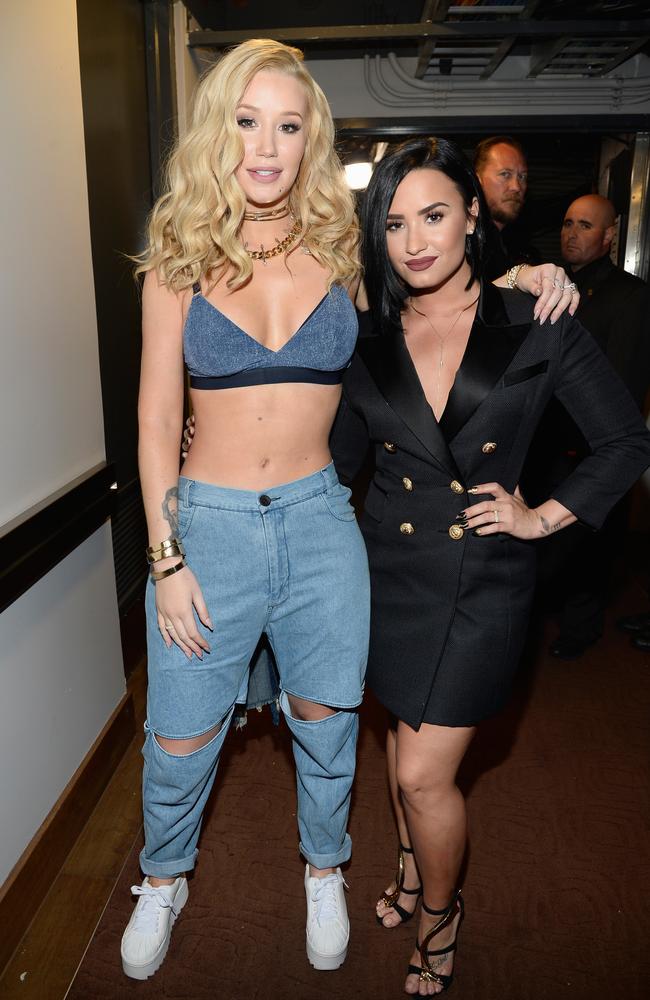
x: 440, y: 913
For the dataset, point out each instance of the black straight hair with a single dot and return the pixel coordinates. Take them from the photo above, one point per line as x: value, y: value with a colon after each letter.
x: 385, y: 289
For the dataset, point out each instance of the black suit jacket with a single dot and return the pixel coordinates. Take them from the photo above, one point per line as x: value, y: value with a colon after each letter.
x: 450, y: 609
x: 615, y: 308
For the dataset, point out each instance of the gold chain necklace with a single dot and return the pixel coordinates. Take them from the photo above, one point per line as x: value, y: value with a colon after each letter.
x: 281, y: 246
x: 442, y: 340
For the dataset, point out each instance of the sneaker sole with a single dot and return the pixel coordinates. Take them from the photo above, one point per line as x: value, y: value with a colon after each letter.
x: 145, y: 971
x: 326, y: 963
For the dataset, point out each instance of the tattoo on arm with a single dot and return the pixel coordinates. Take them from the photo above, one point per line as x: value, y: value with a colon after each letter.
x: 170, y: 509
x: 547, y: 528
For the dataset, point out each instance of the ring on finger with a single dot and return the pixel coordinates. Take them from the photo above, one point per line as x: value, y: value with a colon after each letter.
x: 496, y: 516
x: 169, y: 626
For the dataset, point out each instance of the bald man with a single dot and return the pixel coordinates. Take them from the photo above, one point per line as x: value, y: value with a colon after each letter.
x: 588, y: 230
x: 613, y: 304
x: 615, y: 308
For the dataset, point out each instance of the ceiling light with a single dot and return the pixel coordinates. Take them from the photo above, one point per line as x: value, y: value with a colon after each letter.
x: 358, y: 175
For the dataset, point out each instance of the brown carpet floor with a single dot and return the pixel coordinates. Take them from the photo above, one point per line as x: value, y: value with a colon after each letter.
x: 556, y: 883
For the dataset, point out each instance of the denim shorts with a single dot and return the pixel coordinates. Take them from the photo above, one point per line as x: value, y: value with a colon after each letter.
x: 290, y: 563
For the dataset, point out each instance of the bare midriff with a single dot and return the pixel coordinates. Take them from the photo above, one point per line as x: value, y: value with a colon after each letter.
x: 261, y: 436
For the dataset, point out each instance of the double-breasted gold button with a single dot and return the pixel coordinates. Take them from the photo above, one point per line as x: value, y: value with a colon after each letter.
x: 407, y: 528
x: 407, y: 484
x: 389, y: 446
x: 489, y: 447
x: 456, y: 487
x: 456, y: 532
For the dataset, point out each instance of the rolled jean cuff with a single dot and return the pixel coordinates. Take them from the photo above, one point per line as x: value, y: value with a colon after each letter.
x: 329, y: 860
x: 167, y: 869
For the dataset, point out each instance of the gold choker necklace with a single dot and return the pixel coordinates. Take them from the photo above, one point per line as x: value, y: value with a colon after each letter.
x: 281, y: 246
x: 271, y: 213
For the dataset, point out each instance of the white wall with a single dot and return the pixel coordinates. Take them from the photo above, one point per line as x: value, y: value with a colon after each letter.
x: 61, y: 669
x: 49, y: 372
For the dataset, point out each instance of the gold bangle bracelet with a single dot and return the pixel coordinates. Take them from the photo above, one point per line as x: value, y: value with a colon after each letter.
x: 153, y: 549
x: 169, y: 554
x: 170, y: 550
x: 162, y: 573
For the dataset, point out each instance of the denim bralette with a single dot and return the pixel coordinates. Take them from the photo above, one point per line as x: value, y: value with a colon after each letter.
x: 220, y: 355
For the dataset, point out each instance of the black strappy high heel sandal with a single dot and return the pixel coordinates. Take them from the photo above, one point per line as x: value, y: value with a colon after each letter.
x: 390, y: 898
x: 424, y: 971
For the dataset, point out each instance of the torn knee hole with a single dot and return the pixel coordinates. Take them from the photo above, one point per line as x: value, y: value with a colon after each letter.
x: 309, y: 711
x: 184, y: 747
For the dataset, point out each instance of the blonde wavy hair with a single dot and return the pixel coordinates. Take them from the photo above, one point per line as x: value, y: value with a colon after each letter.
x: 194, y: 227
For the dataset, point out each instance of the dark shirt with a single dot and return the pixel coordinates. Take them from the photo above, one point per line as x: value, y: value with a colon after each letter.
x: 504, y: 248
x: 615, y: 308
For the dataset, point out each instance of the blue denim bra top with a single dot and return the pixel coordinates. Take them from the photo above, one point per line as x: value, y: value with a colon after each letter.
x: 220, y: 355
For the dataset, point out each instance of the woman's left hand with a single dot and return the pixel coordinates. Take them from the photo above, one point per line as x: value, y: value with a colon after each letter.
x: 507, y: 513
x: 553, y: 289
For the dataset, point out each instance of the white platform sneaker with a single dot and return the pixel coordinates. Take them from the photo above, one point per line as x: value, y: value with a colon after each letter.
x: 146, y: 938
x: 328, y: 927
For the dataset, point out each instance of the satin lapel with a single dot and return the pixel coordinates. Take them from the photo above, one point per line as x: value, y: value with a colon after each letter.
x: 389, y: 362
x: 492, y: 344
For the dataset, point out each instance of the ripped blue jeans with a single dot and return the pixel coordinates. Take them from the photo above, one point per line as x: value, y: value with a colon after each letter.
x: 290, y: 563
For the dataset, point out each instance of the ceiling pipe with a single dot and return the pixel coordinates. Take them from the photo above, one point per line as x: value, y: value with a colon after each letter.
x: 449, y: 92
x: 587, y: 86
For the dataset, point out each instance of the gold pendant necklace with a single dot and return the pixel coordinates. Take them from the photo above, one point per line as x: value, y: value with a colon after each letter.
x: 442, y: 340
x: 281, y: 246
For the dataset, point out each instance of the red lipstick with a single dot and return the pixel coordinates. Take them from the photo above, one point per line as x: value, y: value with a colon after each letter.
x: 421, y: 264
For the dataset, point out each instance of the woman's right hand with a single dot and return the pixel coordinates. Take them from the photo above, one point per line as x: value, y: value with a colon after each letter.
x: 188, y: 437
x: 176, y: 597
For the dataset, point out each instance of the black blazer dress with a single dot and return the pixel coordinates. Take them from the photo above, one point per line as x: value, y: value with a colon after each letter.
x: 450, y: 609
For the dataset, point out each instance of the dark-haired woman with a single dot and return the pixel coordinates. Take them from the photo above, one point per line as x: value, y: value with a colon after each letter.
x: 447, y: 387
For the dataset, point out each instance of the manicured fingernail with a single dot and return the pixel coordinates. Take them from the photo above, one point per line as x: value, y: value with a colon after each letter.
x: 477, y: 531
x: 208, y: 622
x: 473, y: 489
x: 462, y: 514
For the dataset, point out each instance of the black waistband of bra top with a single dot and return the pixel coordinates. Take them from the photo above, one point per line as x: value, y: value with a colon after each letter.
x: 267, y: 376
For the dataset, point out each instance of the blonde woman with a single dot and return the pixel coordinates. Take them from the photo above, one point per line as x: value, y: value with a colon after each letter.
x: 250, y: 251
